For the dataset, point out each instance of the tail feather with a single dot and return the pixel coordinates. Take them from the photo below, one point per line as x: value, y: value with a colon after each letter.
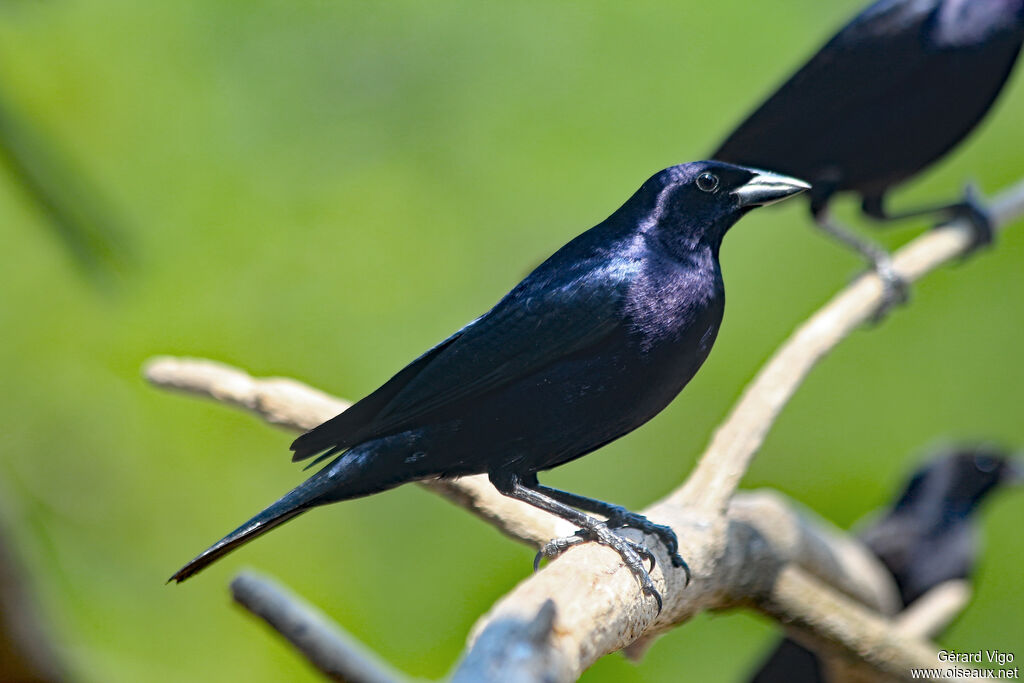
x: 257, y: 526
x: 344, y: 478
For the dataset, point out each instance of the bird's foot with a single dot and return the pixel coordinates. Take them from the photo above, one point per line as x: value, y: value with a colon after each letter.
x: 619, y: 518
x: 556, y: 546
x: 973, y: 209
x: 633, y: 554
x: 895, y: 290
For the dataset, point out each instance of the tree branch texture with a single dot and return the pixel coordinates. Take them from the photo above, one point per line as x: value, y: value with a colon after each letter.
x: 335, y: 653
x: 746, y: 550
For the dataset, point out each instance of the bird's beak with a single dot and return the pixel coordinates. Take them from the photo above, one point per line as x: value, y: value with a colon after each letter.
x: 767, y: 188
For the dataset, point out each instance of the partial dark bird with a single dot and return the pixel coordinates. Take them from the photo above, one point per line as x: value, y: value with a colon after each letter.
x: 927, y: 537
x: 595, y: 342
x: 896, y: 89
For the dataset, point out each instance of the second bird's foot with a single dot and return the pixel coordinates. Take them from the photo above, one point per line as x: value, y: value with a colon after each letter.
x: 895, y: 290
x: 632, y: 553
x: 973, y: 209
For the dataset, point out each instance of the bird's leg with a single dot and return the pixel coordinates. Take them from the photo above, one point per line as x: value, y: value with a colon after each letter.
x: 971, y: 208
x: 897, y: 291
x: 619, y: 517
x: 591, y: 529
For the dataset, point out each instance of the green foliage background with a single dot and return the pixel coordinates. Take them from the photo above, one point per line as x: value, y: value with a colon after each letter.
x: 325, y: 189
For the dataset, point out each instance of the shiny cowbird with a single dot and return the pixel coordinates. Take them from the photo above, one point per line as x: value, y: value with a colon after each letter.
x: 595, y: 342
x: 892, y: 92
x: 927, y: 537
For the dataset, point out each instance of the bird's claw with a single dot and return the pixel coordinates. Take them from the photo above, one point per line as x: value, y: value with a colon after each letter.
x: 632, y: 553
x: 653, y: 592
x: 557, y: 546
x: 624, y: 518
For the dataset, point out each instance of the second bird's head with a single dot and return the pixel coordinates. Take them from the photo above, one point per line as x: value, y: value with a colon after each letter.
x: 696, y: 203
x: 959, y: 477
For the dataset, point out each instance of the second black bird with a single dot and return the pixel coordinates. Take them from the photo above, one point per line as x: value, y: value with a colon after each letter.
x: 592, y: 344
x: 892, y: 92
x: 926, y: 537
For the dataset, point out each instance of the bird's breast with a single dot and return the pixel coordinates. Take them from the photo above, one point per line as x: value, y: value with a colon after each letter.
x: 678, y: 311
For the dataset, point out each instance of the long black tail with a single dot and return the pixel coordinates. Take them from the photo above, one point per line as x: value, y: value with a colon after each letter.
x: 340, y: 480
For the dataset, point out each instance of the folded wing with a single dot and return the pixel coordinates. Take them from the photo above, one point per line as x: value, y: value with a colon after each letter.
x: 533, y: 326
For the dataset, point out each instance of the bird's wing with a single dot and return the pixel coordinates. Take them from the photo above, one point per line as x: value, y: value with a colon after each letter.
x: 878, y: 51
x: 533, y: 326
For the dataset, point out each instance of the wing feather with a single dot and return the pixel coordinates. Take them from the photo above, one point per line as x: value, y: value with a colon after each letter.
x: 534, y: 325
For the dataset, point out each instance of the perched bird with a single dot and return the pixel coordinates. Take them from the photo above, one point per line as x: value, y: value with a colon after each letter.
x: 926, y: 538
x: 896, y: 89
x: 595, y: 342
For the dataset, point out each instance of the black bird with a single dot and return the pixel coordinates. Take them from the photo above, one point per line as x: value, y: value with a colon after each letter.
x: 896, y: 89
x: 927, y: 537
x: 592, y: 344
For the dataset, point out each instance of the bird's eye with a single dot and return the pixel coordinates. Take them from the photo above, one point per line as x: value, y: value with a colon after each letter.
x: 984, y: 463
x: 707, y: 182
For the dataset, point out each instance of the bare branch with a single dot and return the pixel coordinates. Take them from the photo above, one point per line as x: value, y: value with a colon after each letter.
x: 925, y: 619
x: 331, y: 650
x: 935, y: 610
x: 518, y: 651
x: 866, y: 644
x: 278, y: 400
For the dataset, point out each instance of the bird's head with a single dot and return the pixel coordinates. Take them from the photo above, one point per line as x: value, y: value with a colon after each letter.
x: 959, y: 478
x: 696, y: 203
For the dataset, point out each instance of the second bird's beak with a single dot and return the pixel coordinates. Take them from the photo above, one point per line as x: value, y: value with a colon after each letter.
x: 767, y: 188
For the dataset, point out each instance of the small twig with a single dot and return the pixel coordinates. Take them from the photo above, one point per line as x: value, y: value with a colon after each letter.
x: 930, y: 614
x: 519, y: 652
x: 278, y: 400
x: 335, y: 653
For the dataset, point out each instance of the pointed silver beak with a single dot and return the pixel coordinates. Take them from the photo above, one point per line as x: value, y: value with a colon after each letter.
x: 767, y: 188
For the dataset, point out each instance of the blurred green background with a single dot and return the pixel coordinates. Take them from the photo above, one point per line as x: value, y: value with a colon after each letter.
x: 323, y: 190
